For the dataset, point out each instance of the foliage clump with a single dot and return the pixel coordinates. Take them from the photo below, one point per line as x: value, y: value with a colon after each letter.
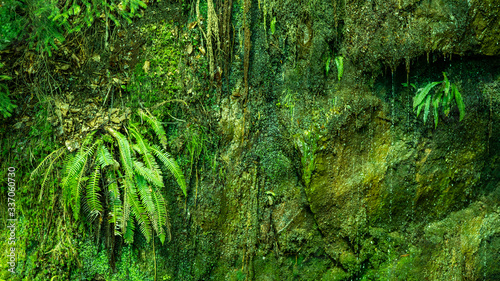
x: 444, y: 96
x: 50, y: 22
x: 132, y: 187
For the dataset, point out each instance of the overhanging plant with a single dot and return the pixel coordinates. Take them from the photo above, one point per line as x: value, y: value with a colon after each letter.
x: 124, y: 169
x: 443, y: 96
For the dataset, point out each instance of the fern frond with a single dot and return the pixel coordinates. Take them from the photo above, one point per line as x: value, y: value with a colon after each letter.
x: 49, y: 160
x: 427, y: 107
x: 156, y: 125
x: 142, y: 147
x: 128, y: 233
x: 145, y: 195
x: 339, y: 61
x: 172, y: 166
x: 75, y: 171
x: 422, y: 94
x: 125, y: 153
x: 460, y: 102
x: 115, y: 204
x: 104, y: 157
x: 161, y: 215
x: 148, y: 174
x: 88, y: 139
x: 138, y: 211
x: 93, y: 202
x: 125, y: 218
x: 435, y: 104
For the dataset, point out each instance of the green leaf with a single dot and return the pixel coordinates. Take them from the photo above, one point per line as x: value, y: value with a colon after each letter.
x: 273, y: 24
x: 435, y: 104
x: 148, y: 174
x: 339, y: 61
x: 446, y: 84
x: 427, y: 107
x: 138, y: 211
x: 93, y: 189
x: 327, y: 67
x: 446, y: 102
x: 422, y: 94
x: 115, y: 204
x: 460, y: 102
x: 162, y: 215
x: 125, y: 153
x: 104, y: 158
x: 48, y: 161
x: 419, y: 108
x: 75, y: 174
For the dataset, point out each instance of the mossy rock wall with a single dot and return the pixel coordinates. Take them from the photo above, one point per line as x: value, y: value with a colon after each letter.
x: 357, y: 177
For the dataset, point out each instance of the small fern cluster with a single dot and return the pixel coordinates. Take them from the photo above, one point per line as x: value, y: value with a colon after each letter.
x: 339, y: 62
x: 133, y: 187
x: 444, y: 96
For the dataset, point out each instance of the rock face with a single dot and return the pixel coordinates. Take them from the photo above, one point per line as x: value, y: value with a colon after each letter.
x: 339, y: 180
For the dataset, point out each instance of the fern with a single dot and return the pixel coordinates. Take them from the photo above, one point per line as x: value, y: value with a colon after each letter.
x: 125, y: 155
x: 144, y: 191
x: 154, y: 176
x: 171, y: 165
x: 156, y: 125
x: 93, y: 202
x: 339, y: 62
x: 133, y: 187
x: 75, y: 171
x: 161, y: 215
x: 104, y: 157
x: 49, y: 160
x: 139, y: 212
x: 147, y: 174
x: 128, y: 232
x: 115, y: 204
x: 424, y: 99
x: 125, y: 222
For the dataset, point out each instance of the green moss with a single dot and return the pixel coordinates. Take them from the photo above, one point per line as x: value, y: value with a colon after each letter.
x: 335, y: 274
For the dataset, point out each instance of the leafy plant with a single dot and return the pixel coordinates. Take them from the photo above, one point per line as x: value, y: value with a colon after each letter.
x: 11, y: 24
x: 443, y: 96
x: 44, y: 35
x: 78, y: 14
x: 288, y: 102
x: 308, y: 144
x: 339, y: 62
x: 132, y: 187
x: 273, y: 25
